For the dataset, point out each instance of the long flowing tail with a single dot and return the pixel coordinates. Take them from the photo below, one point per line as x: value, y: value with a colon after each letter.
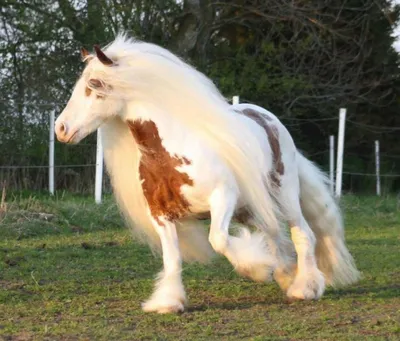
x: 324, y: 217
x: 192, y: 235
x: 193, y: 241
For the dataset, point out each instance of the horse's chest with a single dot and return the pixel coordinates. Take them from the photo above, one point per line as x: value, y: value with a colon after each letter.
x: 158, y: 171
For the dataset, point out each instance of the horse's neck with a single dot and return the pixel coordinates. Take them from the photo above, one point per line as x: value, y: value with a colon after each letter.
x: 122, y: 157
x: 120, y: 148
x: 173, y: 133
x: 120, y: 151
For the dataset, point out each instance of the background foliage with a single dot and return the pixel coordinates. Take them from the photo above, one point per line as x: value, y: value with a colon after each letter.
x: 300, y: 59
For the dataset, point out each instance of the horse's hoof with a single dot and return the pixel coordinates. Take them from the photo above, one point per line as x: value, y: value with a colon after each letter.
x: 164, y: 306
x: 311, y: 287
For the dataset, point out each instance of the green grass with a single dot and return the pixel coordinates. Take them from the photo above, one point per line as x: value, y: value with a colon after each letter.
x: 74, y: 273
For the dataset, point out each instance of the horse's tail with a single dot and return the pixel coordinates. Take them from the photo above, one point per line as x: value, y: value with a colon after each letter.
x: 193, y: 241
x: 192, y: 237
x: 324, y: 217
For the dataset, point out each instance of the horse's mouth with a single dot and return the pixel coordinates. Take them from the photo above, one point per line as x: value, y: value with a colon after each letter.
x: 71, y: 139
x: 68, y: 140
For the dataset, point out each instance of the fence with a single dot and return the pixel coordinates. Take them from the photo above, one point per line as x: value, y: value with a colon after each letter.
x: 335, y: 174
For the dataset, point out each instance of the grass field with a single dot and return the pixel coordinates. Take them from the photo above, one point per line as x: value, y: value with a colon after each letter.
x: 69, y: 270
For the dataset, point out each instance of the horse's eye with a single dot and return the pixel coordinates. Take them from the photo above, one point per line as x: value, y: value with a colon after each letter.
x: 95, y: 83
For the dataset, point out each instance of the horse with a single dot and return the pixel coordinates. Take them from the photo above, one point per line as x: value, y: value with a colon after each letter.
x: 177, y: 152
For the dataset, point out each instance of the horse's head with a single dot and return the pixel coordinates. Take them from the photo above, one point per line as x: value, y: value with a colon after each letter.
x: 92, y: 100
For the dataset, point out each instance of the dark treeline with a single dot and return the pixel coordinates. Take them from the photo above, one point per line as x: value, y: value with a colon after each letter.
x: 302, y: 60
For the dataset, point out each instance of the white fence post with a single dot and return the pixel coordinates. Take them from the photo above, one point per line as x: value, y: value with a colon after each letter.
x: 332, y: 162
x: 340, y: 148
x: 377, y: 165
x: 99, y: 168
x: 235, y: 100
x: 51, y: 154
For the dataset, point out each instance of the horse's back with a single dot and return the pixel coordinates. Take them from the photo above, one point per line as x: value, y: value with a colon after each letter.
x: 277, y: 137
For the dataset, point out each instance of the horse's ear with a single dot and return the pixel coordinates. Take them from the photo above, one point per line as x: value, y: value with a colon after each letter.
x: 102, y: 57
x: 85, y: 55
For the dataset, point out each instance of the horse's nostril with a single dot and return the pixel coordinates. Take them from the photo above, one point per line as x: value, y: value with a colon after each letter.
x: 62, y: 129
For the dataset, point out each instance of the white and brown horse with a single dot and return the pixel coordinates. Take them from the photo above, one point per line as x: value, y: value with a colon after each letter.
x: 177, y: 151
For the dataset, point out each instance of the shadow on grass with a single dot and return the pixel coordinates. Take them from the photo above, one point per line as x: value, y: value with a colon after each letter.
x: 385, y: 291
x: 279, y: 298
x: 249, y: 303
x: 374, y: 242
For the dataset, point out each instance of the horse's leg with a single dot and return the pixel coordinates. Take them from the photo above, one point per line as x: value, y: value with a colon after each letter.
x: 309, y: 282
x: 169, y: 295
x: 247, y: 252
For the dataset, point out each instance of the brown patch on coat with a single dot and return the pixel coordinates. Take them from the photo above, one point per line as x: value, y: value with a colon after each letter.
x: 161, y: 181
x: 273, y: 139
x: 256, y: 116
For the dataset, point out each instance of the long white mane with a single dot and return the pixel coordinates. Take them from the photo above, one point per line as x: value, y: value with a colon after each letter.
x: 150, y: 73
